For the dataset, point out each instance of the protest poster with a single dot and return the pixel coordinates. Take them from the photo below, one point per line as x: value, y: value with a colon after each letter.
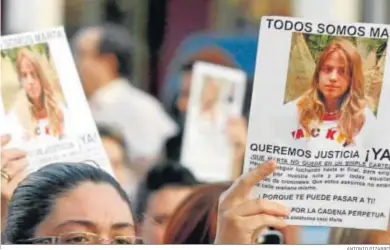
x: 217, y: 94
x: 44, y: 106
x: 320, y: 110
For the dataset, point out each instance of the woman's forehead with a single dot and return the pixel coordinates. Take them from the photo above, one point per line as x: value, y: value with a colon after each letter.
x: 336, y: 57
x: 87, y: 201
x: 26, y: 62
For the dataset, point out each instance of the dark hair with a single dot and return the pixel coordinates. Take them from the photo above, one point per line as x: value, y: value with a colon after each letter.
x: 195, y: 220
x: 188, y: 66
x: 115, y: 39
x: 110, y: 132
x: 214, y: 55
x: 35, y: 196
x: 164, y: 174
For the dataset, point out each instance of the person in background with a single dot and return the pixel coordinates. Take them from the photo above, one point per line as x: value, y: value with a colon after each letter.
x: 163, y: 188
x: 195, y: 220
x: 70, y: 203
x: 237, y: 126
x: 116, y: 150
x: 180, y: 104
x: 103, y: 56
x: 359, y: 236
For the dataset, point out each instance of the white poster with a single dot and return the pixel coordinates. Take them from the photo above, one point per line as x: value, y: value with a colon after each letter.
x: 320, y: 108
x: 217, y: 94
x: 44, y: 106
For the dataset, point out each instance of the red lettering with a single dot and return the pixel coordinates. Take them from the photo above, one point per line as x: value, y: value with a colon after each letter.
x: 300, y: 134
x: 315, y: 132
x: 330, y: 134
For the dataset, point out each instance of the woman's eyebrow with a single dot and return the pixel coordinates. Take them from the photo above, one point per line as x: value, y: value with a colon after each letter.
x: 84, y: 223
x: 121, y: 225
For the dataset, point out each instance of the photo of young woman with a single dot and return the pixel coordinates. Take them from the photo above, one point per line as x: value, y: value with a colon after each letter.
x: 335, y: 107
x: 209, y: 98
x: 37, y: 112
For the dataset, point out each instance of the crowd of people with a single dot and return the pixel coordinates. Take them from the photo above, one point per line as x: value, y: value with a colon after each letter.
x: 153, y: 199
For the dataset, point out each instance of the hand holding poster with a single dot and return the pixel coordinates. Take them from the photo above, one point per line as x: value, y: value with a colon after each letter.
x: 217, y: 95
x: 321, y: 115
x: 43, y: 104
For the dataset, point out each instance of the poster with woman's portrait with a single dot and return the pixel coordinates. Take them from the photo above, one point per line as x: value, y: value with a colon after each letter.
x: 217, y: 94
x: 319, y: 108
x: 43, y: 104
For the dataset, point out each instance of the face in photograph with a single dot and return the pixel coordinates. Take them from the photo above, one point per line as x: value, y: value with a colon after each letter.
x: 210, y: 94
x: 30, y: 80
x: 337, y: 92
x: 38, y: 106
x: 334, y: 77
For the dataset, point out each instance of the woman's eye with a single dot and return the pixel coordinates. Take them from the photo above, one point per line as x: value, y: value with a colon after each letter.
x: 123, y: 241
x: 46, y: 241
x: 77, y: 240
x: 327, y: 69
x: 341, y: 72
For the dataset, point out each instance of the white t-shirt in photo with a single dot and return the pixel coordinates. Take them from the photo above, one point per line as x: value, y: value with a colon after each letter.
x: 20, y: 135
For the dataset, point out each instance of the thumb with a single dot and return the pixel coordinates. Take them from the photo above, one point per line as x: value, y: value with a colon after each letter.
x: 5, y: 139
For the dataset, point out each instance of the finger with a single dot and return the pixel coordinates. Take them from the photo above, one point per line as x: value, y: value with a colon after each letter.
x: 259, y: 206
x: 15, y: 166
x: 258, y: 222
x: 5, y: 139
x: 242, y: 187
x: 8, y: 155
x: 9, y: 188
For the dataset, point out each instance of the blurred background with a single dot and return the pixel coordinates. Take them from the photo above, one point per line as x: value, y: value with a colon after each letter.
x: 167, y: 32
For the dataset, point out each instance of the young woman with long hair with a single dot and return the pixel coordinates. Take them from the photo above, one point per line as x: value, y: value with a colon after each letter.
x: 335, y: 107
x: 37, y: 110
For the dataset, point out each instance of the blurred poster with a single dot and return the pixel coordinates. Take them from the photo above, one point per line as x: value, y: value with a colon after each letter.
x: 320, y: 110
x: 44, y: 106
x: 217, y: 94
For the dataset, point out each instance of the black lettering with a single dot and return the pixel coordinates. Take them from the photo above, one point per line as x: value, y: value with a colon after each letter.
x: 321, y: 28
x: 330, y: 29
x: 299, y: 26
x: 277, y: 150
x: 278, y: 24
x: 308, y: 27
x: 289, y: 25
x: 254, y: 147
x: 376, y: 153
x: 379, y: 33
x: 361, y: 31
x: 269, y: 20
x: 353, y: 32
x: 375, y: 32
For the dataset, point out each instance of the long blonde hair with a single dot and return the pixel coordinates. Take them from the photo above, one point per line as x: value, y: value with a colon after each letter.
x: 311, y: 107
x: 25, y: 109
